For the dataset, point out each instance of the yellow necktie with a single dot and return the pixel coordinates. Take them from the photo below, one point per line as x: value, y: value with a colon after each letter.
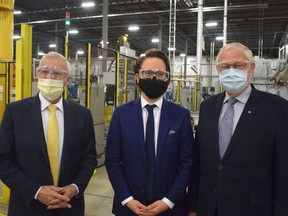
x: 53, y: 142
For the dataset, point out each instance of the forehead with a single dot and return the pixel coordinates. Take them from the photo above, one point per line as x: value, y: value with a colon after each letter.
x: 232, y: 55
x: 53, y: 62
x: 153, y: 63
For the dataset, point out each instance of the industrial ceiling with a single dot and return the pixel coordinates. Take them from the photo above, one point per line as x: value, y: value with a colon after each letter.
x: 262, y: 25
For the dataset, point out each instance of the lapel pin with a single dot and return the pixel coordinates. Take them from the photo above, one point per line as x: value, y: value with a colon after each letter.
x: 249, y: 112
x: 171, y: 132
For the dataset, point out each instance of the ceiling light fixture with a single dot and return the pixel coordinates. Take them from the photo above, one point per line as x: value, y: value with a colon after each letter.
x: 41, y: 53
x: 155, y: 40
x: 211, y: 24
x: 74, y: 31
x: 17, y: 12
x: 182, y: 55
x: 52, y: 45
x: 87, y: 4
x: 16, y: 37
x: 219, y: 38
x: 171, y: 49
x: 133, y: 28
x: 80, y: 52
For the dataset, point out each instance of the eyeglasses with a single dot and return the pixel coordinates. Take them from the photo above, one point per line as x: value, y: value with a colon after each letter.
x: 240, y: 65
x: 150, y: 73
x: 56, y: 73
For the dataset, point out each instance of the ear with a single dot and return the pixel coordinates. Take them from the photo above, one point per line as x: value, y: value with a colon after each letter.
x: 67, y: 81
x: 250, y: 71
x: 137, y: 77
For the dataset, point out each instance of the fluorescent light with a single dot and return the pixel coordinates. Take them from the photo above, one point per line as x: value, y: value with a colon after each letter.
x: 100, y: 57
x: 220, y: 38
x: 41, y: 21
x: 142, y: 55
x: 16, y: 37
x: 80, y: 52
x: 73, y: 31
x: 87, y: 4
x: 211, y: 24
x: 133, y: 28
x: 155, y: 40
x: 52, y: 45
x: 171, y: 49
x: 41, y: 53
x: 182, y: 55
x: 16, y: 12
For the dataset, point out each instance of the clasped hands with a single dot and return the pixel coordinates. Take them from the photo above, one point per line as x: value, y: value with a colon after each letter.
x: 141, y: 210
x: 56, y: 197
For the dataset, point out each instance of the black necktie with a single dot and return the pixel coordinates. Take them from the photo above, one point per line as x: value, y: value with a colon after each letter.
x: 150, y: 153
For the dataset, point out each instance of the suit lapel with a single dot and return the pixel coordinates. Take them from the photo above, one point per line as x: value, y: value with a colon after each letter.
x: 138, y: 124
x: 250, y: 109
x: 33, y: 110
x: 165, y: 120
x: 68, y: 131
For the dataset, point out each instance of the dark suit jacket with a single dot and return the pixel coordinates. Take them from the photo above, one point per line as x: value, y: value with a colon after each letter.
x: 24, y: 163
x: 252, y: 177
x: 125, y: 156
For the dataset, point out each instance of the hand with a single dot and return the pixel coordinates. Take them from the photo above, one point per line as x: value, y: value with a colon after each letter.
x: 69, y: 191
x: 138, y: 208
x: 52, y: 197
x: 192, y: 214
x: 157, y: 207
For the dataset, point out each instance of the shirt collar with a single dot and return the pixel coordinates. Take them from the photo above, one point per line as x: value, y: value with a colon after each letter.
x: 45, y: 103
x: 243, y: 98
x: 158, y: 103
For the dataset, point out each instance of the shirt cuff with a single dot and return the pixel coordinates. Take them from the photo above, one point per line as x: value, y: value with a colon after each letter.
x: 77, y: 189
x: 168, y: 202
x: 124, y: 202
x: 36, y: 195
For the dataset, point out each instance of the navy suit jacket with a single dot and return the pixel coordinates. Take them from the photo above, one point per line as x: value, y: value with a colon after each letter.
x: 252, y: 177
x: 24, y: 163
x: 125, y: 156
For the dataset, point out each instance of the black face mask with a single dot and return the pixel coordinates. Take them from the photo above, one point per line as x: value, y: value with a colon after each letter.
x: 153, y: 88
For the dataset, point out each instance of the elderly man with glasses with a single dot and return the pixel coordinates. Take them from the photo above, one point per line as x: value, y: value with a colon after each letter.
x: 242, y: 137
x: 47, y: 147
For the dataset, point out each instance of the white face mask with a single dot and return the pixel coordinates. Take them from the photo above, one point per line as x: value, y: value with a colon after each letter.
x: 233, y: 80
x: 50, y: 89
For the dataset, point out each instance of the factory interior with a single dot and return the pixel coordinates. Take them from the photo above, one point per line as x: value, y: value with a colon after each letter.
x: 102, y: 40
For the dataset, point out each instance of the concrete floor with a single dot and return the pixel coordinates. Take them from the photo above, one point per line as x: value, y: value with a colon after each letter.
x: 98, y: 196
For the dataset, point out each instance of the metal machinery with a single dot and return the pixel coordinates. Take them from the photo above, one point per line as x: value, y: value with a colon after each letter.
x: 108, y: 89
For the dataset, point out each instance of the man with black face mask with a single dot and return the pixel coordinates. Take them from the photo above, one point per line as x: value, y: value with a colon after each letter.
x: 150, y: 181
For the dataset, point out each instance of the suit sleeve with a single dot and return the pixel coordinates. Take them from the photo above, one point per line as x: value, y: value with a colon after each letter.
x: 88, y: 158
x: 185, y: 161
x: 281, y: 161
x: 113, y: 158
x: 10, y: 174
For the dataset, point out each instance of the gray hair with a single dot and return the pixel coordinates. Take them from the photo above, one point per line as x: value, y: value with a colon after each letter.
x: 236, y: 45
x: 55, y: 55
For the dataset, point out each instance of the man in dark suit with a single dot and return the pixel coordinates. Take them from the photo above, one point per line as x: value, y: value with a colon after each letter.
x: 41, y: 184
x: 248, y: 176
x: 127, y: 161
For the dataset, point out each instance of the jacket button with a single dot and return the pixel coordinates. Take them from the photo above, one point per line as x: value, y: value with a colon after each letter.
x: 220, y: 166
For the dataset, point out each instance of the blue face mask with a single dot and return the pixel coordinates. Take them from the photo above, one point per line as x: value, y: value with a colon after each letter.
x: 233, y: 80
